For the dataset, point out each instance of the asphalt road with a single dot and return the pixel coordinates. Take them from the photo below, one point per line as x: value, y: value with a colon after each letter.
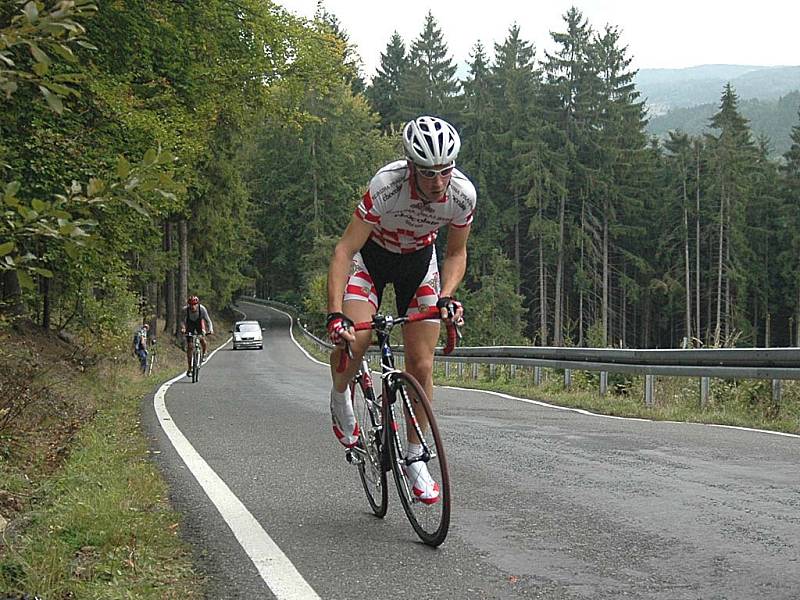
x: 548, y: 503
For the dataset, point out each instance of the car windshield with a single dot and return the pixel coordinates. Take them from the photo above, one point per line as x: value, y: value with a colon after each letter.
x: 246, y: 327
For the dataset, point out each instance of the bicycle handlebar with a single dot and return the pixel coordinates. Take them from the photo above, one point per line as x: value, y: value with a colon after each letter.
x: 453, y: 333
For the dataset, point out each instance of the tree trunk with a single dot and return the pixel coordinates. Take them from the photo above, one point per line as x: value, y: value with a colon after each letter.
x: 797, y: 319
x: 697, y: 249
x: 624, y: 310
x: 170, y: 325
x: 517, y: 258
x: 542, y: 287
x: 558, y: 332
x: 718, y: 326
x: 728, y: 307
x: 315, y: 186
x: 583, y: 270
x: 46, y: 302
x: 687, y: 268
x: 183, y: 265
x: 605, y: 274
x: 12, y: 304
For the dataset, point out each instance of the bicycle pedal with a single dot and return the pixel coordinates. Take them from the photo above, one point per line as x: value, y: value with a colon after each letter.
x: 353, y: 458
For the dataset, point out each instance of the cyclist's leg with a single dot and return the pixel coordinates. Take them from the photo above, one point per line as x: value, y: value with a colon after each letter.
x: 189, y: 351
x: 420, y: 337
x: 419, y: 343
x: 361, y: 301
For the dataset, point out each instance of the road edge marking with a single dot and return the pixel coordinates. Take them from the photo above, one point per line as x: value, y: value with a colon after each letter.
x: 274, y: 567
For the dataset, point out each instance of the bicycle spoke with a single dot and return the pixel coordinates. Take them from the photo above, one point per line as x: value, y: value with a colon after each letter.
x: 422, y: 482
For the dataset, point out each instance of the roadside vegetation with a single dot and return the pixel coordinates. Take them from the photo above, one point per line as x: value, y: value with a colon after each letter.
x: 84, y: 512
x: 742, y: 403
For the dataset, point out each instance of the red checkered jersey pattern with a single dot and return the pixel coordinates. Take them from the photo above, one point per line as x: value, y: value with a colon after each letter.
x: 401, y: 221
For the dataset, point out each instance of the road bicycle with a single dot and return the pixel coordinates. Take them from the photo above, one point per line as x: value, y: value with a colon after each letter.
x: 385, y: 424
x: 152, y: 357
x: 197, y: 356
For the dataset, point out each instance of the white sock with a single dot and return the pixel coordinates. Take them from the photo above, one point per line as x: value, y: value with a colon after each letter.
x: 338, y: 396
x: 413, y: 450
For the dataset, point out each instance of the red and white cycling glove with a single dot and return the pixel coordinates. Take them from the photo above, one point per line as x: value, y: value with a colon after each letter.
x: 451, y: 305
x: 337, y: 323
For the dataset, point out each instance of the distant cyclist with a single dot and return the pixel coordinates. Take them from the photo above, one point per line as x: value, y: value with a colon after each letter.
x: 390, y: 239
x: 140, y: 346
x: 196, y: 321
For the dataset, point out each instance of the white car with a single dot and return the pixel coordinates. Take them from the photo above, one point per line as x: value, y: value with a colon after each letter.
x: 247, y: 334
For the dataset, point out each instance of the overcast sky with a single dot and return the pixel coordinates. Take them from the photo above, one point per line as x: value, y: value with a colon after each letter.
x: 668, y: 33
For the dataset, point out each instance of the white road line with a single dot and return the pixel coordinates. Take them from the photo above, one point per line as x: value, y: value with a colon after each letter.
x: 567, y: 408
x: 277, y: 571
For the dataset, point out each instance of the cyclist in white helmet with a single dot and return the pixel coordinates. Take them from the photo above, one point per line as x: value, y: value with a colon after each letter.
x: 390, y: 239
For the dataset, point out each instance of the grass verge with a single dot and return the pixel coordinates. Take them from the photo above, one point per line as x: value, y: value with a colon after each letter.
x: 85, y: 513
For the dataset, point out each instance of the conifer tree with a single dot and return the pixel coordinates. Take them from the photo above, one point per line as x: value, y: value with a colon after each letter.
x: 732, y: 155
x: 477, y: 158
x: 429, y: 85
x: 789, y: 258
x: 385, y: 91
x: 567, y: 104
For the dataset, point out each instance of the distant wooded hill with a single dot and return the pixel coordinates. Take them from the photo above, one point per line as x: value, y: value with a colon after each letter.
x: 685, y: 99
x: 771, y: 118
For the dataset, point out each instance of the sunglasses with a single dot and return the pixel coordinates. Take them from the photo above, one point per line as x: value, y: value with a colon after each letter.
x: 431, y: 173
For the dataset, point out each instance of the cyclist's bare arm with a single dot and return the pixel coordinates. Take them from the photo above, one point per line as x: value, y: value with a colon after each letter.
x: 352, y: 240
x: 455, y: 261
x: 209, y: 324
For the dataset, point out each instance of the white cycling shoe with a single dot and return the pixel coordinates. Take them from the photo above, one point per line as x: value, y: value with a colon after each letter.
x: 343, y: 419
x: 422, y: 484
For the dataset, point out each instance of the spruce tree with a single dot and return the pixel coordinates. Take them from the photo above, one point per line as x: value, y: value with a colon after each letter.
x: 429, y: 85
x: 385, y: 91
x: 732, y: 155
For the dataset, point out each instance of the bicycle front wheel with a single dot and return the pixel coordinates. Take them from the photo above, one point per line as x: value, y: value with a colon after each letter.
x: 195, y: 366
x: 367, y: 452
x: 424, y: 487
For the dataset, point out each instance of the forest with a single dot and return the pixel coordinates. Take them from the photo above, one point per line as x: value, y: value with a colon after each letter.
x: 149, y: 149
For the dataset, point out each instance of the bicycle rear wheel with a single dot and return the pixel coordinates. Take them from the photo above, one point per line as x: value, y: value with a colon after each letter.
x: 429, y: 517
x: 367, y: 451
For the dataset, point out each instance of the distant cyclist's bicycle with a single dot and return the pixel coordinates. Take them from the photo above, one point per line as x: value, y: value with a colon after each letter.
x: 197, y: 355
x: 152, y: 357
x: 387, y: 422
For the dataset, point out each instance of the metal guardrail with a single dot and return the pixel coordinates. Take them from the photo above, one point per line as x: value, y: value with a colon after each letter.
x: 774, y: 364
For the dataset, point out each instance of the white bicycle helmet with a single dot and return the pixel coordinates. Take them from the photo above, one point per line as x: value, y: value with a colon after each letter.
x: 430, y: 141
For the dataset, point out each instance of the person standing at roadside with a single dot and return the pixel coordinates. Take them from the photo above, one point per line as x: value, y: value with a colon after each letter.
x: 140, y: 346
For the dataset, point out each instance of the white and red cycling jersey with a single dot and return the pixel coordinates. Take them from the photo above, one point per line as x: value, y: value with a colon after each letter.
x: 401, y: 221
x: 400, y: 248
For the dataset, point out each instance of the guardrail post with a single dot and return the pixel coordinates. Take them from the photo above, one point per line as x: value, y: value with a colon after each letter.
x: 537, y: 375
x: 460, y: 370
x: 648, y: 390
x: 603, y: 382
x: 776, y: 392
x: 447, y: 368
x: 513, y: 371
x: 474, y: 370
x: 491, y: 371
x: 567, y: 378
x: 705, y: 391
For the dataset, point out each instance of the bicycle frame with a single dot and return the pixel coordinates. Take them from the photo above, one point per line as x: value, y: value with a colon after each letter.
x: 383, y: 326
